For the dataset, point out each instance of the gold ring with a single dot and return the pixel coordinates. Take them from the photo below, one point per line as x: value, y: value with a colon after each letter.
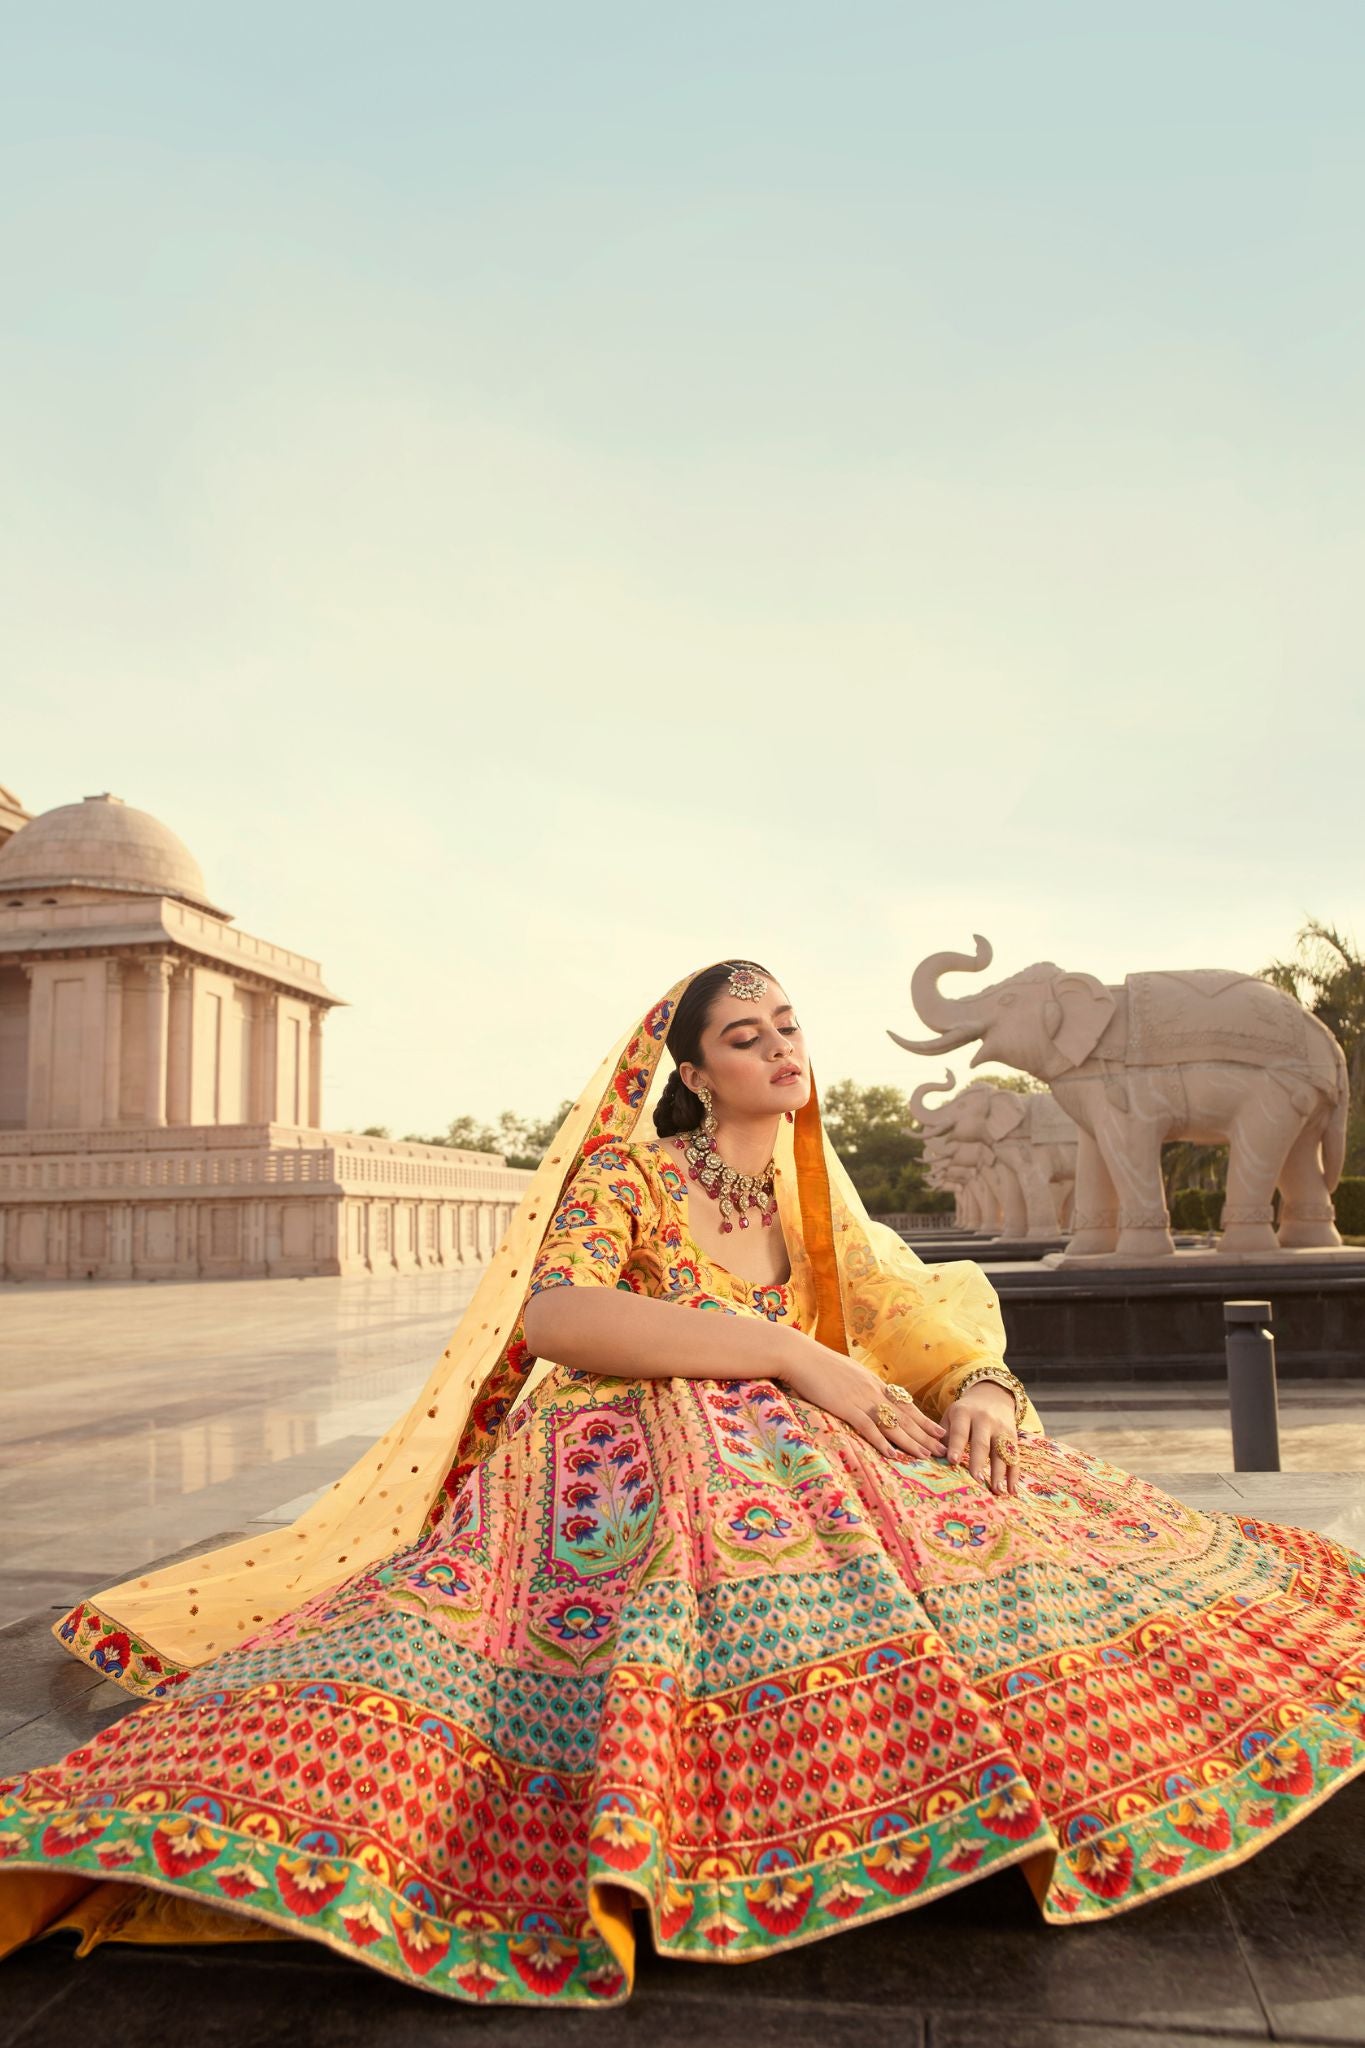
x: 884, y: 1415
x: 901, y: 1394
x: 1005, y: 1447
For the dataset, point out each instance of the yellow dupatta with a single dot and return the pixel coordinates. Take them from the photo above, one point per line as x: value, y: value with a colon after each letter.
x: 923, y: 1327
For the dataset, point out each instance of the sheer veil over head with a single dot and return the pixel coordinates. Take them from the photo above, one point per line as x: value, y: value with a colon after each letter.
x: 923, y: 1327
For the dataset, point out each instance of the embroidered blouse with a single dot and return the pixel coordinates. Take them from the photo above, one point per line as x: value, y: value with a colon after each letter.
x: 623, y: 1222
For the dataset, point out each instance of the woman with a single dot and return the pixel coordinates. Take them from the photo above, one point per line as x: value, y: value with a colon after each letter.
x: 765, y: 1609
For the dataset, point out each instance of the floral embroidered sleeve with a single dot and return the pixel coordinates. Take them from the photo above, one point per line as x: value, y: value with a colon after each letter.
x: 598, y: 1224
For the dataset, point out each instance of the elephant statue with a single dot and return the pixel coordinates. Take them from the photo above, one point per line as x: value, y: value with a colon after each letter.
x: 982, y: 1190
x: 1031, y: 1140
x: 977, y: 1208
x: 968, y: 1144
x: 1209, y: 1055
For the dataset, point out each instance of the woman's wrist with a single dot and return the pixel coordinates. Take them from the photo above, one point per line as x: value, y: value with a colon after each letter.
x: 995, y: 1375
x: 992, y: 1390
x: 791, y: 1352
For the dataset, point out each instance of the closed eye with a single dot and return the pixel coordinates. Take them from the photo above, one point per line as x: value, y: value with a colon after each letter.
x: 787, y: 1030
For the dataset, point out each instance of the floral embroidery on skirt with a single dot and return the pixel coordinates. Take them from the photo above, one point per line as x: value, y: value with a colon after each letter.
x: 692, y: 1646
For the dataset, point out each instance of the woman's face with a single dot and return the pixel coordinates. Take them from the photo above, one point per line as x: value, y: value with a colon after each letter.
x: 753, y: 1056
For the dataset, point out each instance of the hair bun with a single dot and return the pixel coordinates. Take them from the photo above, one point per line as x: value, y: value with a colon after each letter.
x: 678, y: 1109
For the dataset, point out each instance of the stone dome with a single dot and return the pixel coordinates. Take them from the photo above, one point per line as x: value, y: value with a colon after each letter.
x: 102, y: 843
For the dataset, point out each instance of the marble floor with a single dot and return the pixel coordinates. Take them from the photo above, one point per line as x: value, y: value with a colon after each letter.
x: 135, y: 1420
x: 138, y: 1419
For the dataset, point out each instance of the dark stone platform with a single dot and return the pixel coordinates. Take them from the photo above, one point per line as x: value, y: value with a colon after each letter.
x: 941, y: 1251
x: 1131, y: 1322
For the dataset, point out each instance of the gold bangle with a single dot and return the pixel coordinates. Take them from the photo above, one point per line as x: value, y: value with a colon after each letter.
x: 1001, y: 1376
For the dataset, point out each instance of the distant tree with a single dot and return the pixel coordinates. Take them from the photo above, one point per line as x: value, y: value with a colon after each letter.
x: 520, y: 1141
x: 462, y: 1134
x: 376, y: 1131
x: 869, y: 1128
x: 1015, y: 1084
x: 1197, y: 1167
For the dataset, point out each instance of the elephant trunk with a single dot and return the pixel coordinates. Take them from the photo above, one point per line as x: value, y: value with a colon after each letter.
x: 918, y: 1101
x: 952, y: 1018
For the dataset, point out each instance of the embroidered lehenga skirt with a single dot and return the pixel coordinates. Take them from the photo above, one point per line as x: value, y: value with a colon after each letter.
x: 691, y: 1648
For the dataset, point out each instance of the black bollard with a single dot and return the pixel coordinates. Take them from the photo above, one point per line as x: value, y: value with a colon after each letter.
x: 1252, y: 1399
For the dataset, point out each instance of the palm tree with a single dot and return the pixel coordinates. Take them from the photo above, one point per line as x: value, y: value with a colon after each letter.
x: 1187, y: 1165
x: 1328, y: 978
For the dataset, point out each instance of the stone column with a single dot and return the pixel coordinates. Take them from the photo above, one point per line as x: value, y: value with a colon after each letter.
x: 159, y: 972
x: 29, y: 1120
x: 39, y: 1044
x: 113, y: 1039
x: 268, y: 1099
x: 180, y: 1053
x: 314, y: 1068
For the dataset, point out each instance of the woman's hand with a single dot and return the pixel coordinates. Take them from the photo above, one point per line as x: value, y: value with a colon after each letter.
x: 984, y: 1411
x: 851, y: 1391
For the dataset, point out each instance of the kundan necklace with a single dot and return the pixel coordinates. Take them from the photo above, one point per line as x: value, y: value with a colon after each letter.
x: 735, y: 1192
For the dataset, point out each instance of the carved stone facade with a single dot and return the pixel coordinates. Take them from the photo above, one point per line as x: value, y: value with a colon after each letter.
x: 161, y: 1084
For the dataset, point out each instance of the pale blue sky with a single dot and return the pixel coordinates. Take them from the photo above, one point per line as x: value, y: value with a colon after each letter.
x: 542, y: 496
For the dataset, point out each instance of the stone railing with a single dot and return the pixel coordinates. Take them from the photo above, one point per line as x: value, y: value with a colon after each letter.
x: 391, y: 1166
x: 248, y: 1156
x: 907, y: 1219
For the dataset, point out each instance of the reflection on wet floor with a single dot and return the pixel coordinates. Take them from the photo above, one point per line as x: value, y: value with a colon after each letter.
x: 1185, y: 1427
x: 137, y: 1419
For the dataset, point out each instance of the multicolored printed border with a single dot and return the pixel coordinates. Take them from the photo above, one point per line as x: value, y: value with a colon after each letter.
x: 334, y: 1901
x: 1210, y: 1827
x: 99, y: 1642
x: 724, y: 1913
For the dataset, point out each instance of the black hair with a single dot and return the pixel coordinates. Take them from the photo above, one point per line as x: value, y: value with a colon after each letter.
x: 678, y: 1108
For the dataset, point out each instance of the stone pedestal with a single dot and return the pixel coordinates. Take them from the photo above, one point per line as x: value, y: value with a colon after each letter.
x: 1126, y: 1323
x: 1186, y: 1261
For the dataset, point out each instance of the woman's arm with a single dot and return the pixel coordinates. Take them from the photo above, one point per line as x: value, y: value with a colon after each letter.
x: 634, y: 1336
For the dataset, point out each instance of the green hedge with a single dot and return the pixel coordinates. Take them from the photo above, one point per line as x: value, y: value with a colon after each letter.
x: 1196, y: 1209
x: 1201, y: 1208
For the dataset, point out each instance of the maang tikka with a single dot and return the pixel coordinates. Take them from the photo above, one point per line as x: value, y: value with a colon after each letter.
x: 734, y: 1191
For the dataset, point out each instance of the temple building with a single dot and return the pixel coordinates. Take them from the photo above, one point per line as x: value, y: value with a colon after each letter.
x: 161, y: 1083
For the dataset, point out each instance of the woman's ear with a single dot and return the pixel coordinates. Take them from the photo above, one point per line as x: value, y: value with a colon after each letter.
x: 691, y: 1077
